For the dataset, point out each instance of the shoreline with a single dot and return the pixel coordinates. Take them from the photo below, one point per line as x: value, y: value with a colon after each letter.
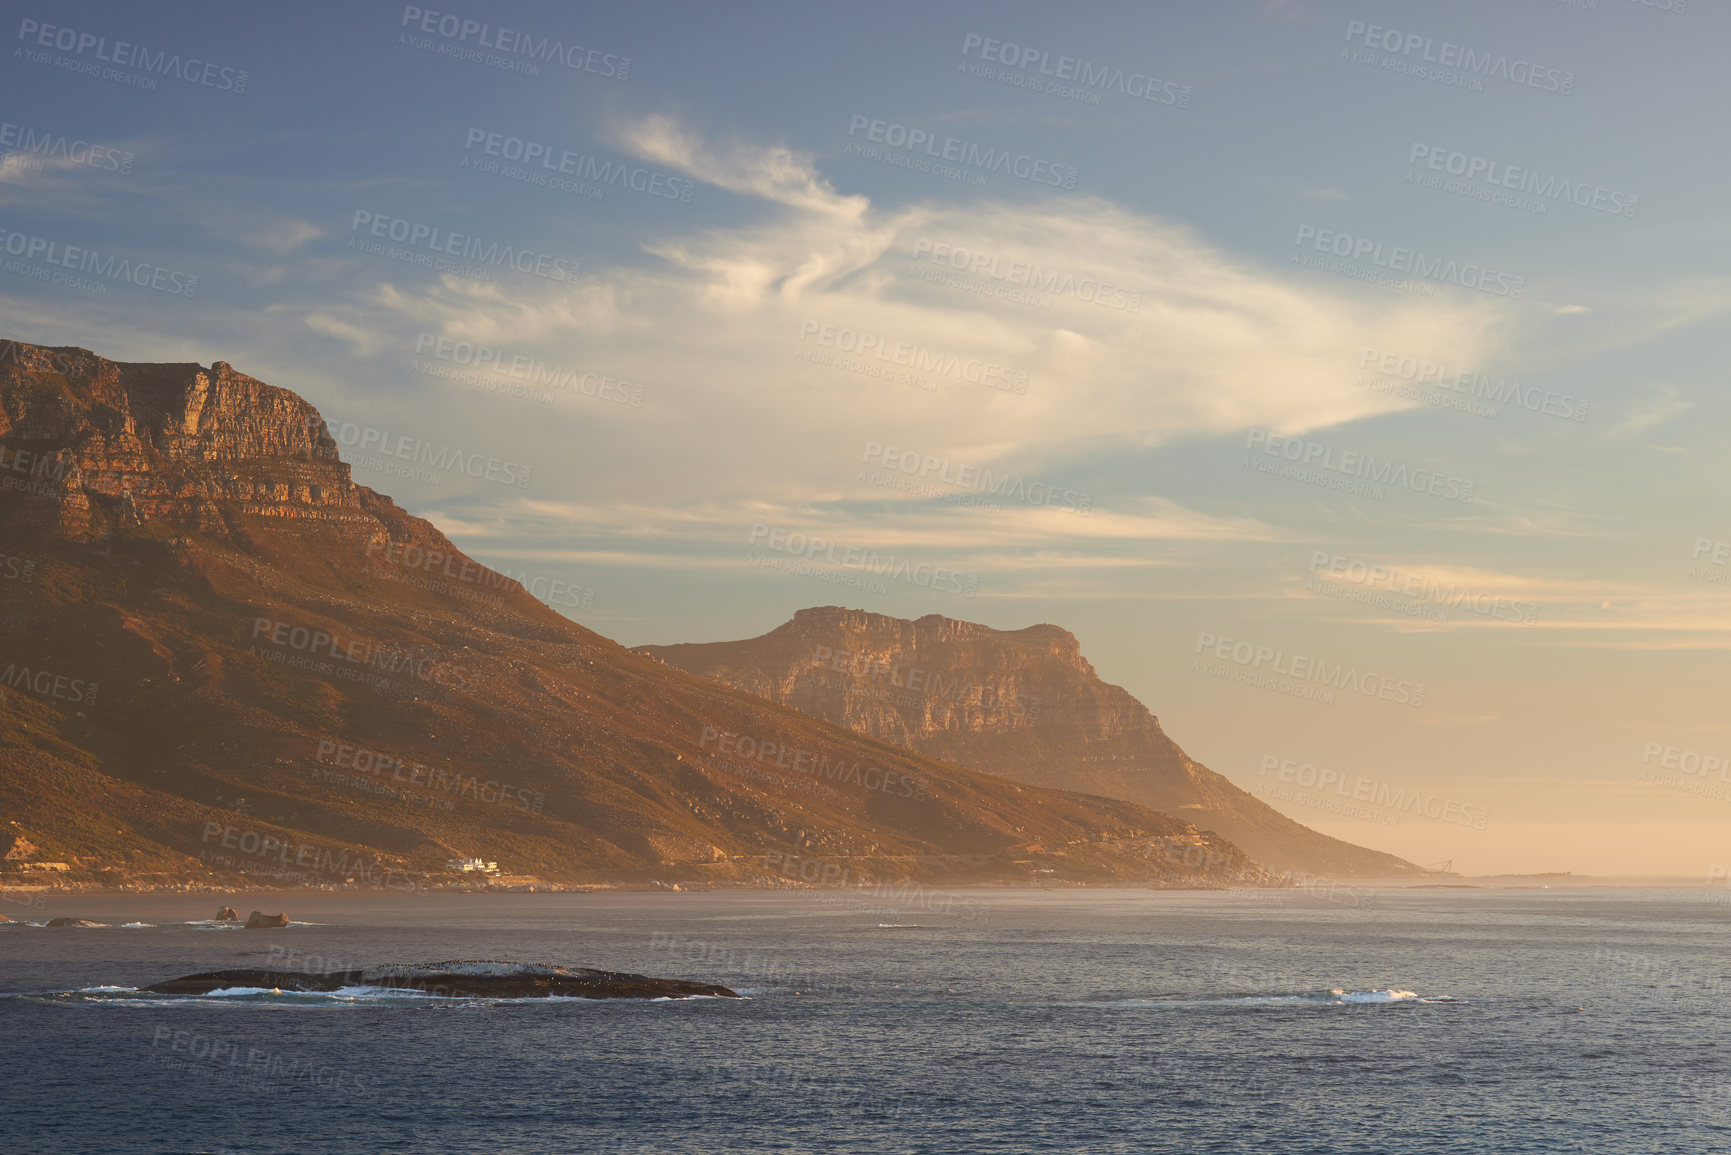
x: 29, y: 894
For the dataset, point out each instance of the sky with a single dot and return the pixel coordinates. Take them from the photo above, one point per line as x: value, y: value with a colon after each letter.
x: 1347, y: 376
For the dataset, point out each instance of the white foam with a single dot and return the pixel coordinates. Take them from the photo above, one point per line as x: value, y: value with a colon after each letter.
x: 375, y: 993
x: 1334, y: 997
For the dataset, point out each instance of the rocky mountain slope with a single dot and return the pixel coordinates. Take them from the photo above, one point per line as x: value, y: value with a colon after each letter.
x: 221, y: 657
x: 1024, y: 704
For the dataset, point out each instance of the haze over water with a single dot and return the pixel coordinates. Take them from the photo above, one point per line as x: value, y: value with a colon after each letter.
x: 1407, y: 1021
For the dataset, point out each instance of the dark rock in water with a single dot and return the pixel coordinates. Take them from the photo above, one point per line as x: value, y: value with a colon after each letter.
x: 227, y: 914
x: 258, y: 920
x: 73, y: 922
x: 467, y: 979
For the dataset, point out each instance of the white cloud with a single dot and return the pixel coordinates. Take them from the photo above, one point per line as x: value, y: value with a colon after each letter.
x: 714, y: 329
x: 772, y: 172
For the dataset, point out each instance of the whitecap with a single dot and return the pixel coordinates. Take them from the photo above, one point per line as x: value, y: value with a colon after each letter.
x: 1376, y: 996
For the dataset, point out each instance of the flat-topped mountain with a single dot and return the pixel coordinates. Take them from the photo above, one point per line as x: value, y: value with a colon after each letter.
x: 1024, y: 704
x: 221, y: 657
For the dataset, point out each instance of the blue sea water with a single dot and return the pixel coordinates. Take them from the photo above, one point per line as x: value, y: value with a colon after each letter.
x: 1386, y: 1020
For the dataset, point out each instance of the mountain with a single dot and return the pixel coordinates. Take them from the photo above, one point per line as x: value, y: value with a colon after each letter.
x: 221, y: 657
x: 1023, y: 704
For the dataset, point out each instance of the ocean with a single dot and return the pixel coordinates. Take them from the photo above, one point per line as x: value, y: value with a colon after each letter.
x: 1364, y: 1020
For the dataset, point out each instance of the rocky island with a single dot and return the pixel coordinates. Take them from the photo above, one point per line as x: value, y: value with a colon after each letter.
x: 462, y: 979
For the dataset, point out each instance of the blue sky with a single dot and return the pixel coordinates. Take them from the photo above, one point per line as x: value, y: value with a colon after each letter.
x: 1154, y: 308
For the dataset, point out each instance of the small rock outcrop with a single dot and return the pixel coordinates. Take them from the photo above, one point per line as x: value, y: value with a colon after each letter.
x: 227, y: 914
x: 462, y: 979
x: 259, y: 920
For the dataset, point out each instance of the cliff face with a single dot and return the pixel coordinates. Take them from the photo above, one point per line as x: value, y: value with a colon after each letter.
x: 217, y: 652
x: 1024, y: 704
x: 93, y: 444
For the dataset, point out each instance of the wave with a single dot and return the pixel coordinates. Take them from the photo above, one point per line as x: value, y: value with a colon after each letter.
x: 1337, y: 996
x: 1331, y: 997
x: 352, y: 997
